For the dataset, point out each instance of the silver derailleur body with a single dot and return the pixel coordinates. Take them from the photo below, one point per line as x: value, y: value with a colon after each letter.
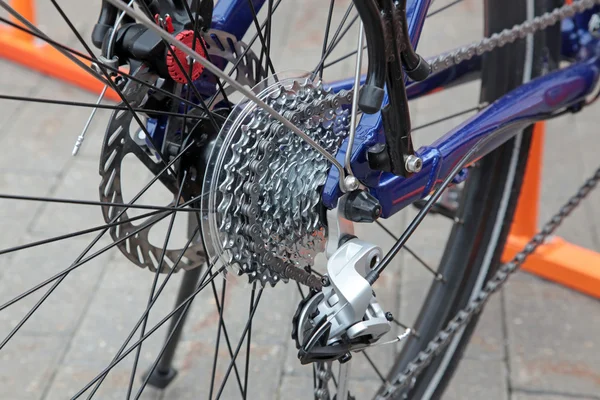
x: 345, y: 315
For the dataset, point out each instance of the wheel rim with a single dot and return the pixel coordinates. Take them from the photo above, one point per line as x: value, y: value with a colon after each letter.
x: 255, y: 294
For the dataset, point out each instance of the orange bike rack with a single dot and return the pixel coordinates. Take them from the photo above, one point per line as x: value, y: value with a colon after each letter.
x: 26, y: 49
x: 557, y: 259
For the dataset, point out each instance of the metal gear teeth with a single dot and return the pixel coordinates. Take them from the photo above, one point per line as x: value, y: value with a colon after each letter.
x: 269, y: 210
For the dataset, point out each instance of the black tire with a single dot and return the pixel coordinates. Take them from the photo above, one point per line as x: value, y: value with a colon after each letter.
x: 489, y: 200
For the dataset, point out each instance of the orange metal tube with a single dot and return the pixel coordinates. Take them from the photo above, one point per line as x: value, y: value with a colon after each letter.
x: 562, y: 262
x: 556, y: 260
x: 27, y: 10
x: 20, y: 47
x: 49, y: 61
x: 526, y: 214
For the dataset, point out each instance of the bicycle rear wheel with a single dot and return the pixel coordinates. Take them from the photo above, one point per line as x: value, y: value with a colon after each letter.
x: 221, y: 365
x: 489, y: 197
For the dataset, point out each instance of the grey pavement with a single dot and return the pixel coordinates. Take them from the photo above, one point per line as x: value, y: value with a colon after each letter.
x: 536, y: 340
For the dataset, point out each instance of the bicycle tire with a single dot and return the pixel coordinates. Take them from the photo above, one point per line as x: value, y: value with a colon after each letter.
x: 489, y: 197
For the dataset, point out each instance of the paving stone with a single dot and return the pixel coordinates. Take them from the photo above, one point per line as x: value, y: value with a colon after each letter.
x: 477, y: 379
x: 28, y: 364
x: 542, y: 395
x: 15, y: 81
x: 559, y: 183
x: 50, y: 135
x: 549, y: 343
x: 16, y: 215
x: 294, y: 387
x: 60, y: 313
x: 69, y: 380
x: 196, y: 359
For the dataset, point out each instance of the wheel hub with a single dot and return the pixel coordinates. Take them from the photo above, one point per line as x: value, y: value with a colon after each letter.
x: 121, y: 140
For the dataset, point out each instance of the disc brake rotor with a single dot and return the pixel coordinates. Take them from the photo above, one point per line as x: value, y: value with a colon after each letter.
x: 263, y: 213
x: 119, y: 141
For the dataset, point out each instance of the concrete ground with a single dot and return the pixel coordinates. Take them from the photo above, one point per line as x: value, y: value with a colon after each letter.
x: 536, y: 339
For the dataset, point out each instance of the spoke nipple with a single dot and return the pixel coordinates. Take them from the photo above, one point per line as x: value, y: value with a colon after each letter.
x: 440, y: 277
x: 413, y: 163
x: 78, y: 144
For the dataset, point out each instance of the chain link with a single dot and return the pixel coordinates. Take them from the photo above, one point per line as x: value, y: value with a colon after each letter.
x: 485, y: 45
x: 521, y: 31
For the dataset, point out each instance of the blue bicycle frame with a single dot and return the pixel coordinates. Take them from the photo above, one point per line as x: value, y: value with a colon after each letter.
x: 494, y: 125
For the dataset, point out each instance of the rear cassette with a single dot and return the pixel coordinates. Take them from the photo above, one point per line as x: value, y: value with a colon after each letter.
x: 263, y: 214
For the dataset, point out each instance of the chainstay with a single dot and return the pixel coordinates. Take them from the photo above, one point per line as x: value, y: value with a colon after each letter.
x: 462, y: 318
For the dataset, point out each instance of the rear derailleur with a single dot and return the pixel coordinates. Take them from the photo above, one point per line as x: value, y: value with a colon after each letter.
x: 344, y: 316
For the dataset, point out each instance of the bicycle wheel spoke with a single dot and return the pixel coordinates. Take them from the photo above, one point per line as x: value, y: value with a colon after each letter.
x: 191, y: 66
x: 75, y: 234
x: 106, y: 74
x: 332, y: 376
x: 188, y: 78
x: 89, y: 258
x: 80, y: 259
x: 108, y: 67
x: 94, y: 105
x: 269, y: 30
x: 377, y: 372
x: 59, y: 278
x: 253, y: 309
x: 196, y: 29
x: 265, y: 48
x: 93, y: 203
x: 334, y: 39
x: 220, y: 309
x: 218, y: 340
x: 147, y: 311
x: 300, y: 290
x: 436, y: 274
x: 250, y: 43
x: 162, y: 351
x: 184, y: 304
x: 248, y: 341
x: 342, y: 58
x: 326, y: 36
x: 154, y: 283
x: 315, y: 386
x: 443, y: 8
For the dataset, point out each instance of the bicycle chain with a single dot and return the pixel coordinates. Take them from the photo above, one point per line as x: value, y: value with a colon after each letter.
x: 500, y: 39
x: 438, y: 64
x: 485, y: 45
x: 462, y: 318
x: 443, y: 338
